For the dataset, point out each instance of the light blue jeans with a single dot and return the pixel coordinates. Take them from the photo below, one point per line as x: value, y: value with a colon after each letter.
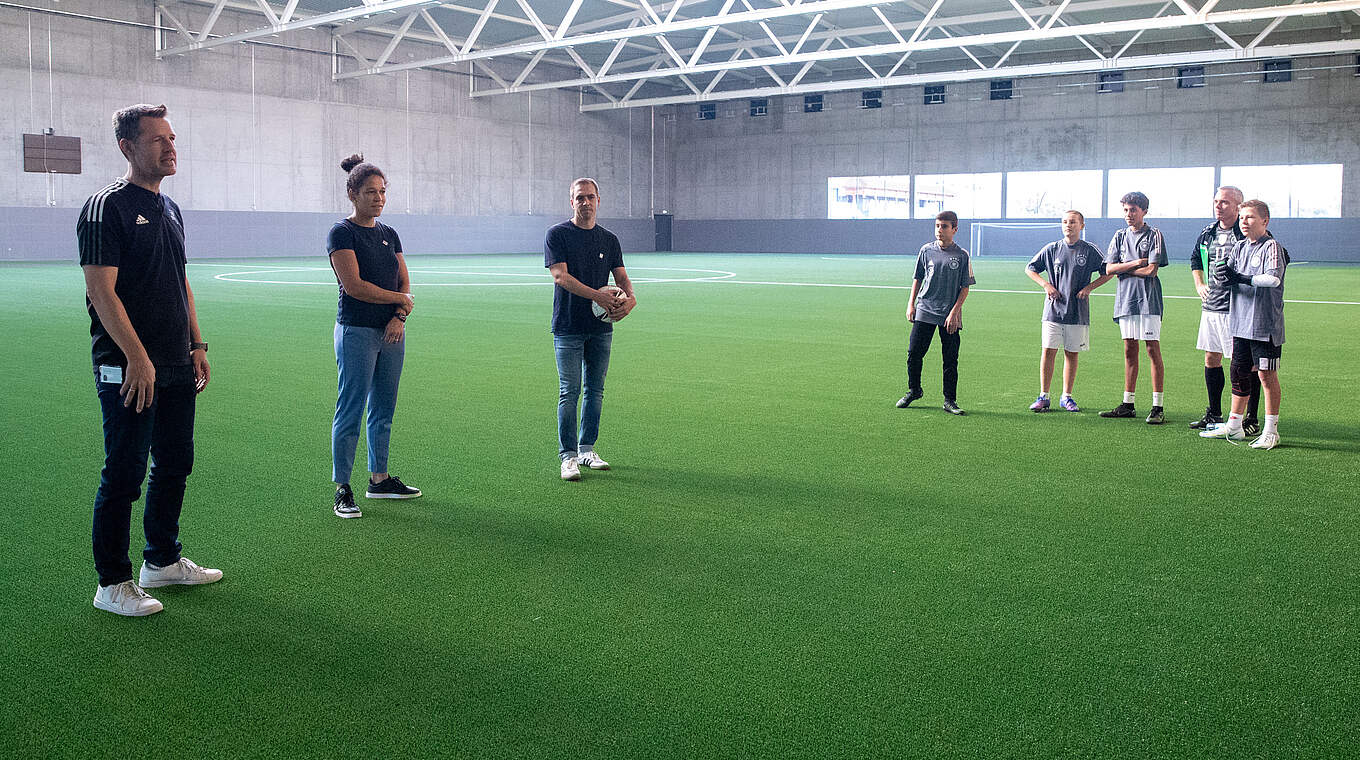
x: 577, y: 356
x: 369, y: 372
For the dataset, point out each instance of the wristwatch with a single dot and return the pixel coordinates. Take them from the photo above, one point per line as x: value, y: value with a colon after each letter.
x: 198, y: 346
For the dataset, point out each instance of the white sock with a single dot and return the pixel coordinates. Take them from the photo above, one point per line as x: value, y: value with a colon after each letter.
x: 1234, y: 423
x: 1128, y: 397
x: 1066, y: 395
x: 1272, y: 425
x: 1156, y: 398
x: 1043, y: 394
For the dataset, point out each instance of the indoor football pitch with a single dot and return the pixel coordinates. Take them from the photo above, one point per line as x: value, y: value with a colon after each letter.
x: 780, y: 563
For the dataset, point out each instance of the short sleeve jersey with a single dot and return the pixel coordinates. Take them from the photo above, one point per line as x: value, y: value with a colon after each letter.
x: 142, y: 234
x: 1258, y: 313
x: 376, y: 249
x: 1211, y: 247
x: 590, y: 255
x: 944, y: 273
x: 1137, y: 294
x: 1070, y: 268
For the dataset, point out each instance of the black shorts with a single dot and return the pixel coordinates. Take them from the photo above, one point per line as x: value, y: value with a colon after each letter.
x: 1256, y: 354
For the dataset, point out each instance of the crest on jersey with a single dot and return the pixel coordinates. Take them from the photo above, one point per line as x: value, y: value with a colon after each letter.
x: 1144, y: 245
x: 954, y: 262
x: 1256, y: 260
x: 1081, y: 260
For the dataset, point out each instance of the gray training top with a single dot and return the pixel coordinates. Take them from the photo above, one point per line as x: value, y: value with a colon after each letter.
x: 1070, y: 268
x: 943, y: 273
x: 1258, y: 313
x: 1211, y: 247
x: 1137, y: 294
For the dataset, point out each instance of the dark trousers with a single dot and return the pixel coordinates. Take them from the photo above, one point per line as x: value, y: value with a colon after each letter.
x: 917, y: 346
x: 166, y: 431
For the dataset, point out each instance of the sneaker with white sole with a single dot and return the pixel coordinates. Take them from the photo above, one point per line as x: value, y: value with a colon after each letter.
x: 1069, y: 404
x: 592, y: 460
x: 344, y: 503
x: 1040, y: 404
x: 126, y: 598
x: 391, y: 488
x: 182, y: 573
x: 1221, y: 431
x: 570, y: 469
x: 1266, y: 441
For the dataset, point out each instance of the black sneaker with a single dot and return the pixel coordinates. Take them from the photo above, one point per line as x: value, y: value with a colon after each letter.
x: 1124, y: 410
x: 392, y: 488
x: 1208, y: 419
x: 1251, y: 426
x: 1155, y: 416
x: 912, y: 395
x: 952, y: 408
x: 344, y: 503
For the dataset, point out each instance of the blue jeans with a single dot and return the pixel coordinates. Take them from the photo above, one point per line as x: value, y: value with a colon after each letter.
x: 579, y: 355
x: 369, y: 372
x: 165, y: 430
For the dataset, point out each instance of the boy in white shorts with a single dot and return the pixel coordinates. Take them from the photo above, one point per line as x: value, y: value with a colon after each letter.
x: 1070, y: 263
x: 1135, y: 254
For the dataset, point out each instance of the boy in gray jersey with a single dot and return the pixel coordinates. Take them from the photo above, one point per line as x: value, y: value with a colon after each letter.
x: 1135, y: 254
x: 938, y: 289
x: 1070, y: 263
x: 1212, y: 247
x: 1254, y: 277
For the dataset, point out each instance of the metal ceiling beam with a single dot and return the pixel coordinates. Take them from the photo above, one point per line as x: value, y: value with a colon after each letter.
x: 1059, y: 31
x: 1012, y: 72
x: 279, y: 27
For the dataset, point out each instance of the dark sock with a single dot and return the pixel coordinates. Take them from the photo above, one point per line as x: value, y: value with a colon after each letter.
x: 1213, y: 380
x: 1254, y: 400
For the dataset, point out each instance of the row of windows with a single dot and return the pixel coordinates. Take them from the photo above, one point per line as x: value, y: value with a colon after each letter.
x: 1298, y: 190
x: 1187, y: 77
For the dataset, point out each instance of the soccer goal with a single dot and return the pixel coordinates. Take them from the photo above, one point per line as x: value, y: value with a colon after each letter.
x: 1015, y: 239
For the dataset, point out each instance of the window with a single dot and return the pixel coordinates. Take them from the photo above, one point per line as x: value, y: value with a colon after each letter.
x: 868, y: 197
x: 760, y: 106
x: 1111, y: 81
x: 934, y: 95
x: 708, y: 111
x: 1300, y: 190
x: 1046, y: 195
x: 977, y: 196
x: 812, y: 104
x: 1179, y: 193
x: 871, y: 99
x: 1002, y: 89
x: 1188, y: 77
x: 1280, y: 70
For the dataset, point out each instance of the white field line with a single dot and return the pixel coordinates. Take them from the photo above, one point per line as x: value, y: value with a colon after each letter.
x: 722, y: 277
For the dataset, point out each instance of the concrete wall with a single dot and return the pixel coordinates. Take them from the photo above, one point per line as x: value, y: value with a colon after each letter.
x: 37, y: 234
x: 1320, y: 240
x: 263, y: 129
x: 775, y: 167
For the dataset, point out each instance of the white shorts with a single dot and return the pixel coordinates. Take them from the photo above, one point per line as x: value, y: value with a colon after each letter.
x: 1067, y: 337
x: 1214, y: 335
x: 1140, y: 327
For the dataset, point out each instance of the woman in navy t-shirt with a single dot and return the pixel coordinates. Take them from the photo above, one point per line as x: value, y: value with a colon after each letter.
x: 370, y: 334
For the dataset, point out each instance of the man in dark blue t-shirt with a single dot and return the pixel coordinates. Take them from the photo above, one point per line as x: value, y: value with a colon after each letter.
x: 150, y: 362
x: 581, y: 255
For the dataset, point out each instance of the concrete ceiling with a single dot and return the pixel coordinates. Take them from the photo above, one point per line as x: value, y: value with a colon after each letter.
x: 627, y: 53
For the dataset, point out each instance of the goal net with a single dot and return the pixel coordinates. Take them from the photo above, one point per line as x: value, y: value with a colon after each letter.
x: 1013, y: 239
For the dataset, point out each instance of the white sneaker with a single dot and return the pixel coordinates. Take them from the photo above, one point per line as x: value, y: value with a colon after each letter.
x: 126, y: 598
x: 592, y: 460
x: 1266, y: 441
x: 570, y: 470
x: 183, y: 573
x: 1221, y: 431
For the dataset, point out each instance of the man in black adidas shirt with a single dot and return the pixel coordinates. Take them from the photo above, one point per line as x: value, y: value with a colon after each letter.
x: 150, y: 361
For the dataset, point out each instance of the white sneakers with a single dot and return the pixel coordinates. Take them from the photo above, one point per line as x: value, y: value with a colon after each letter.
x: 1266, y: 441
x: 182, y: 573
x: 1221, y: 431
x: 571, y: 466
x: 592, y: 460
x: 570, y: 469
x: 126, y: 598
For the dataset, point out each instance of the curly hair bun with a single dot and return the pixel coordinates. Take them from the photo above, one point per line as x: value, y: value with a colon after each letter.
x: 351, y: 162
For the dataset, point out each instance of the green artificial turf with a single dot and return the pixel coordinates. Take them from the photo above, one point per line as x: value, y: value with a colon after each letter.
x: 780, y: 564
